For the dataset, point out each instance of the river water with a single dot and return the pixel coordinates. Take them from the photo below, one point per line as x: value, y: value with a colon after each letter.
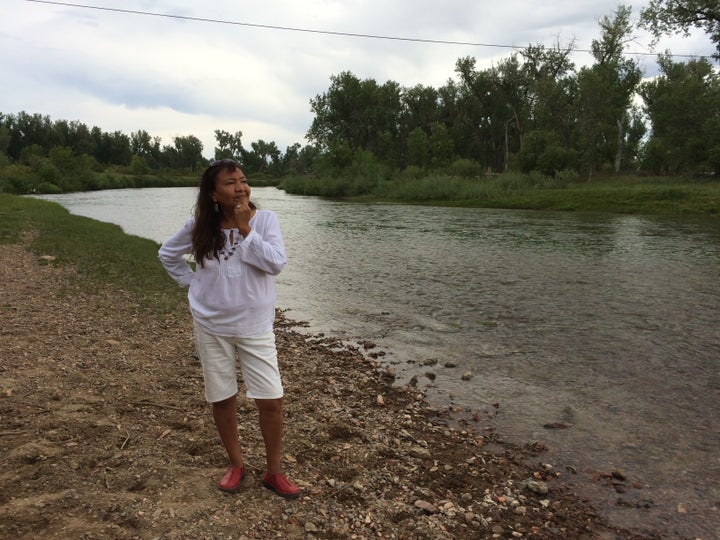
x: 604, y: 323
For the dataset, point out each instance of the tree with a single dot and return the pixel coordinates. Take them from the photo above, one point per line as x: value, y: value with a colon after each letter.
x: 357, y: 115
x: 228, y: 145
x: 679, y: 16
x: 112, y: 148
x: 418, y: 148
x: 419, y: 109
x: 683, y: 105
x: 145, y: 147
x: 480, y: 128
x: 188, y: 151
x: 289, y: 162
x: 26, y: 130
x: 62, y: 157
x: 606, y: 92
x: 442, y: 148
x: 262, y: 155
x: 550, y: 86
x: 511, y: 84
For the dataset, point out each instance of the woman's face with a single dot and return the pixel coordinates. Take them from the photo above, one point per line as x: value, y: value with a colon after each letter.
x: 231, y: 188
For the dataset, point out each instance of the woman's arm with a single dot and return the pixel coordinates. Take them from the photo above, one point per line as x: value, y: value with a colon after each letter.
x: 264, y: 248
x: 173, y: 255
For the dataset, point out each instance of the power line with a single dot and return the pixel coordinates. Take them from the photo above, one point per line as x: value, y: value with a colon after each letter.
x: 313, y: 31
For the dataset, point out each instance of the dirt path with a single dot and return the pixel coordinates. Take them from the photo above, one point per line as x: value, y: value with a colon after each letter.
x: 104, y: 434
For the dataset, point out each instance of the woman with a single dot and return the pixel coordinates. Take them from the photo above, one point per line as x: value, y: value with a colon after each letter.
x: 238, y: 250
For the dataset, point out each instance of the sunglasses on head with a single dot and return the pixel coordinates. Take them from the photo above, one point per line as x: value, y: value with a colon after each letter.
x: 226, y: 161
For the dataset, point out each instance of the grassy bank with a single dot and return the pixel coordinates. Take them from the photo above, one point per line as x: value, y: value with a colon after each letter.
x: 659, y: 198
x: 621, y: 194
x: 101, y: 252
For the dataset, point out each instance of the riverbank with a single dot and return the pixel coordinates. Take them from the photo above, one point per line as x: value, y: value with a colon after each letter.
x: 642, y: 195
x: 105, y: 432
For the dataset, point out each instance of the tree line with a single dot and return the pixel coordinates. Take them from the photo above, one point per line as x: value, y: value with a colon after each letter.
x: 38, y: 154
x: 531, y: 113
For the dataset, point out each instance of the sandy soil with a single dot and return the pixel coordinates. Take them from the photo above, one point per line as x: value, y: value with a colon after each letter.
x: 104, y: 433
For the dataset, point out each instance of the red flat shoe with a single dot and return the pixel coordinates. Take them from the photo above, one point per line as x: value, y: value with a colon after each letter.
x: 232, y: 478
x: 281, y: 485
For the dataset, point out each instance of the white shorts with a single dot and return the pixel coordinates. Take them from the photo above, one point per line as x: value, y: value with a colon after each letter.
x: 258, y: 364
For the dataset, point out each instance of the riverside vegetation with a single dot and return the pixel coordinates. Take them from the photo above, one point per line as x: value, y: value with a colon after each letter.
x: 612, y: 194
x: 106, y: 435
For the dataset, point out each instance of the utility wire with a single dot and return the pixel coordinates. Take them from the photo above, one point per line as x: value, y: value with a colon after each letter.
x: 312, y: 31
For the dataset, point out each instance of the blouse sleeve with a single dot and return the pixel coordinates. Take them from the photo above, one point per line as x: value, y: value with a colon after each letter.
x: 264, y: 248
x: 173, y: 255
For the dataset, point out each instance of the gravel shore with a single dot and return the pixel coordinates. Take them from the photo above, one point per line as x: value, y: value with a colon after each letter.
x: 104, y: 433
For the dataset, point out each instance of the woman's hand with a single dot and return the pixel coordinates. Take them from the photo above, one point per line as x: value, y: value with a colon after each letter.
x: 242, y: 214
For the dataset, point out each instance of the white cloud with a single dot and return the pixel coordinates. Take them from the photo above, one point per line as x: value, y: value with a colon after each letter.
x: 170, y: 77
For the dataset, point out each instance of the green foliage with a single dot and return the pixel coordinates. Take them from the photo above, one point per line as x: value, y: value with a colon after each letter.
x: 543, y: 152
x: 313, y: 185
x: 466, y: 168
x: 565, y: 190
x: 683, y: 104
x: 411, y: 172
x: 138, y: 165
x: 366, y: 172
x: 48, y: 188
x: 101, y: 252
x: 418, y: 148
x: 670, y: 17
x: 359, y: 114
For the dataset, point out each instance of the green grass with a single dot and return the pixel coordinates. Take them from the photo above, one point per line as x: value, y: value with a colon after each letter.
x: 625, y: 195
x: 101, y: 252
x: 677, y: 199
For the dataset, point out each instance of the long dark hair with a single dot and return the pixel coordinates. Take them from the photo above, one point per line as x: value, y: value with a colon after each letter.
x: 207, y: 238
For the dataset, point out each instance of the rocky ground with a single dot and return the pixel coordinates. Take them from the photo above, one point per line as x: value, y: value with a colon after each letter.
x: 104, y: 433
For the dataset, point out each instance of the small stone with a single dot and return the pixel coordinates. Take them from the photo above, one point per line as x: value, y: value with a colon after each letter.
x: 467, y: 375
x: 535, y: 486
x: 310, y: 527
x: 420, y: 452
x: 426, y: 507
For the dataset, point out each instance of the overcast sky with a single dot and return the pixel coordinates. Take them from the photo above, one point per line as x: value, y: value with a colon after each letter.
x: 171, y: 76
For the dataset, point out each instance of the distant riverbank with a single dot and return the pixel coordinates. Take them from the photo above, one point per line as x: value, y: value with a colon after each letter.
x: 616, y: 194
x: 663, y: 196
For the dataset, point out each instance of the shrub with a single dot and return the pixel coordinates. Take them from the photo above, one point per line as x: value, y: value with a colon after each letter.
x: 466, y: 168
x: 49, y: 173
x: 48, y: 188
x: 17, y: 179
x: 564, y: 178
x: 411, y: 172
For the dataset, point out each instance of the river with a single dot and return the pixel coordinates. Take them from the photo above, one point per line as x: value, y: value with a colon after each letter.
x: 604, y: 324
